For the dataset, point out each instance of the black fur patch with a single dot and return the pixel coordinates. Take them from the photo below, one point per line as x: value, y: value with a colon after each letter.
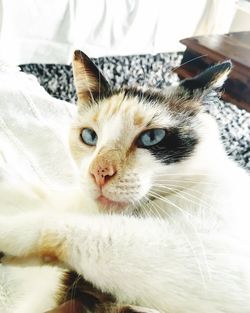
x: 76, y: 287
x: 79, y: 295
x: 206, y: 78
x: 147, y: 96
x: 176, y: 146
x: 177, y: 102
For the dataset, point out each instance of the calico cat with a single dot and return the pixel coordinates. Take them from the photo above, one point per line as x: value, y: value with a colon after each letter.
x: 162, y: 220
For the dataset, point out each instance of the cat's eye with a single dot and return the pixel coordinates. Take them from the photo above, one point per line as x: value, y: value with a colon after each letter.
x: 151, y: 137
x: 89, y: 136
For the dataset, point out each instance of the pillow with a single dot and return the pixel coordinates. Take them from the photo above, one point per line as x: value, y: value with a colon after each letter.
x: 33, y: 132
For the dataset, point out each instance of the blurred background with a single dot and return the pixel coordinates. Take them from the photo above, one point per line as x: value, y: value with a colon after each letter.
x: 47, y: 31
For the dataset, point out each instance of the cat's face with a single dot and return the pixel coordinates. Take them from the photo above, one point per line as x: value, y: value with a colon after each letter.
x: 125, y: 141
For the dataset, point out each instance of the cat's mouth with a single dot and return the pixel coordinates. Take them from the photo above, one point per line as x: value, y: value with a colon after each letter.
x: 107, y: 203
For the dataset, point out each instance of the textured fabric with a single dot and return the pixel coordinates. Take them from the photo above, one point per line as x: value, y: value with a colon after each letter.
x: 33, y: 132
x: 153, y: 71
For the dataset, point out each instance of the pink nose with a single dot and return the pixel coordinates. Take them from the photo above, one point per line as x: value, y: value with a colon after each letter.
x: 102, y: 173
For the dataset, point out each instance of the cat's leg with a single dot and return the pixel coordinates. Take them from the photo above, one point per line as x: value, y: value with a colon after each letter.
x: 23, y: 239
x: 116, y: 253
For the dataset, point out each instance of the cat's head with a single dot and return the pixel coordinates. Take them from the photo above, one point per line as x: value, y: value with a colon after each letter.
x: 127, y: 141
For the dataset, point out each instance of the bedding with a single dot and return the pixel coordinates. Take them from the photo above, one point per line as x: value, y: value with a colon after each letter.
x: 33, y: 132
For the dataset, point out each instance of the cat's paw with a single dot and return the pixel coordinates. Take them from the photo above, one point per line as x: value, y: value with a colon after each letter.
x: 7, y: 259
x: 137, y: 309
x: 24, y: 239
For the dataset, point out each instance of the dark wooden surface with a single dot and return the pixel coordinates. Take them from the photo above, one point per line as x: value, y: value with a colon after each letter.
x: 204, y: 51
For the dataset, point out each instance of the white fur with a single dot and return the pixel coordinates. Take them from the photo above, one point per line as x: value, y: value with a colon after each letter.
x: 188, y: 252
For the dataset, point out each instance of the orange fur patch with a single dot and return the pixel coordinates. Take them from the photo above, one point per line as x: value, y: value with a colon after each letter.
x: 95, y: 117
x: 138, y: 119
x: 108, y: 108
x: 52, y: 248
x: 114, y: 110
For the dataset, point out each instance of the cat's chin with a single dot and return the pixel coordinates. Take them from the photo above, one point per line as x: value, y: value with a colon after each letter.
x: 107, y: 204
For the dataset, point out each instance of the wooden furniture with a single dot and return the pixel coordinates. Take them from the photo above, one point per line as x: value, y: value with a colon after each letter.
x: 204, y: 51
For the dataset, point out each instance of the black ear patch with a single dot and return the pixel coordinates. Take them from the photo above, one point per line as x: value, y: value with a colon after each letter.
x: 213, y: 77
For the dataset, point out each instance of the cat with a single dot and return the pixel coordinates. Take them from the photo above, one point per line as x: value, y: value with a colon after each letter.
x: 161, y: 221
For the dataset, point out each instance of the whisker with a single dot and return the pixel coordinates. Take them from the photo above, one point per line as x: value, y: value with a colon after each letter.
x: 189, y: 61
x: 190, y: 244
x: 186, y: 181
x: 183, y: 174
x: 184, y: 189
x: 180, y: 192
x: 154, y: 213
x: 159, y: 197
x: 74, y: 286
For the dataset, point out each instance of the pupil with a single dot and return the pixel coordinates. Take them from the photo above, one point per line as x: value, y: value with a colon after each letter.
x: 152, y: 136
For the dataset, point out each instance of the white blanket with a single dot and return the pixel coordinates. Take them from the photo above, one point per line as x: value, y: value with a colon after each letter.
x: 48, y: 31
x: 33, y: 132
x: 33, y: 150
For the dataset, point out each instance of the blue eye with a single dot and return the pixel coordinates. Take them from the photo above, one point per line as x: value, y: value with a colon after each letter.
x: 151, y: 137
x: 89, y: 136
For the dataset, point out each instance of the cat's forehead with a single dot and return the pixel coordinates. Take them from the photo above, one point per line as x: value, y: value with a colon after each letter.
x: 130, y: 109
x: 133, y: 108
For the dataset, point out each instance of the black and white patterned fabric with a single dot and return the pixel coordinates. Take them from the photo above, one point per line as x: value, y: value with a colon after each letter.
x: 153, y: 71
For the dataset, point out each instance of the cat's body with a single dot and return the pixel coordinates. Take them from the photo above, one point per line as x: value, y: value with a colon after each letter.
x: 179, y: 239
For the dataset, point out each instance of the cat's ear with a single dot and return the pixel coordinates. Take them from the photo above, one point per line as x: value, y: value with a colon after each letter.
x: 212, y: 78
x: 89, y: 81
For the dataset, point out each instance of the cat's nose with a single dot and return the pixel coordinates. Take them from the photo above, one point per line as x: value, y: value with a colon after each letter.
x: 102, y: 173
